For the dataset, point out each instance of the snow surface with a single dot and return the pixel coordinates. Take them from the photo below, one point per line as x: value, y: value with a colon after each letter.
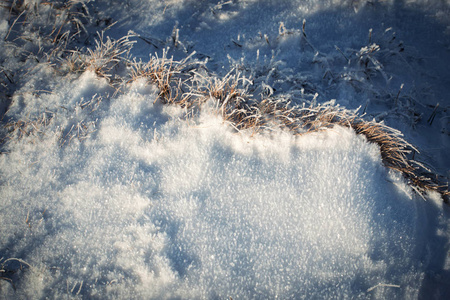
x: 117, y: 196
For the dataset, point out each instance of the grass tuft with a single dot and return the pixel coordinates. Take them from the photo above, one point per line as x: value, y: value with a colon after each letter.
x: 190, y: 87
x: 105, y: 57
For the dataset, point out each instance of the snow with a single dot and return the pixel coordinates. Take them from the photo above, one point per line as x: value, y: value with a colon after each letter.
x: 109, y: 194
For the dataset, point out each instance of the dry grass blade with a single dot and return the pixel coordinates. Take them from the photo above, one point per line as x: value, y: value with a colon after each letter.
x: 9, y: 271
x: 12, y: 25
x: 10, y: 281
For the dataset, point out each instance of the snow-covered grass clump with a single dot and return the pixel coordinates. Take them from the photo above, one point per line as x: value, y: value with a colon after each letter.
x: 151, y: 205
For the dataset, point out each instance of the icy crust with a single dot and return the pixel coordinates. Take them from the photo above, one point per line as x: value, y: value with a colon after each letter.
x: 153, y: 205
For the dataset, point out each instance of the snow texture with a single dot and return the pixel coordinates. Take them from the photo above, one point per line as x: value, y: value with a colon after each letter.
x: 113, y: 195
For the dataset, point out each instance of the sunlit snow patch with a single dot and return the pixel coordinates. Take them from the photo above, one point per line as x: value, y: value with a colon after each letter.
x: 152, y: 205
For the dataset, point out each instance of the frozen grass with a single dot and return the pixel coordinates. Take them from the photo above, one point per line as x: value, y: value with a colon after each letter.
x: 105, y: 57
x: 240, y: 109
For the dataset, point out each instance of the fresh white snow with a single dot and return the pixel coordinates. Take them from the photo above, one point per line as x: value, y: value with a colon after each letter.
x: 110, y: 194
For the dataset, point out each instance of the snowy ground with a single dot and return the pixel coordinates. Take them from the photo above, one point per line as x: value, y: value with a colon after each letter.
x: 106, y: 193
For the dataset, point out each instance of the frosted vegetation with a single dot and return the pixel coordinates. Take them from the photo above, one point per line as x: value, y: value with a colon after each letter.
x: 215, y: 150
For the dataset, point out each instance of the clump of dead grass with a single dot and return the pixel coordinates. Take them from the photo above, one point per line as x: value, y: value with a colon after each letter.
x: 103, y: 59
x: 161, y: 72
x: 239, y: 108
x: 47, y: 124
x: 28, y: 127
